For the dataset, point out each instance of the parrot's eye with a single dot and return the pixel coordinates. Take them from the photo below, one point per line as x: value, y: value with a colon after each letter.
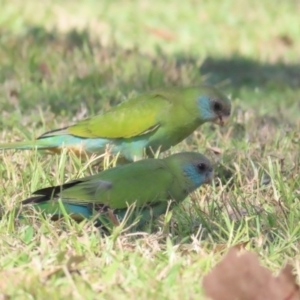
x: 201, y: 167
x: 217, y: 106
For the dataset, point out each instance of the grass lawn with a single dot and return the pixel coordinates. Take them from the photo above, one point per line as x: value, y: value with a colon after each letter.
x: 61, y: 61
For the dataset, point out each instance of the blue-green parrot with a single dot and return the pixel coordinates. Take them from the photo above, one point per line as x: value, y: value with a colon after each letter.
x: 149, y: 184
x: 142, y: 125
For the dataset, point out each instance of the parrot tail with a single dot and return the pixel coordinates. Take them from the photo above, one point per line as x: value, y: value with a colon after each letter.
x: 47, y: 142
x: 56, y: 143
x: 54, y: 209
x: 51, y: 143
x: 25, y: 145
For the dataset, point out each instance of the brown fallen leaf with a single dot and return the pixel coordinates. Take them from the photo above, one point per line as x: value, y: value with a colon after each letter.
x: 215, y: 150
x: 285, y: 40
x: 222, y: 247
x: 242, y: 277
x: 74, y: 261
x: 14, y: 93
x: 72, y: 266
x: 46, y: 274
x: 44, y: 69
x: 113, y: 218
x: 162, y: 33
x: 13, y: 277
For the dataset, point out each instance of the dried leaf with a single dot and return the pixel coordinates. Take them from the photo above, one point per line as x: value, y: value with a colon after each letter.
x: 162, y: 33
x: 44, y: 69
x: 48, y: 273
x: 113, y: 218
x: 221, y: 247
x: 242, y: 245
x: 215, y: 150
x: 285, y: 40
x: 14, y: 93
x: 242, y: 277
x: 74, y: 261
x: 12, y: 277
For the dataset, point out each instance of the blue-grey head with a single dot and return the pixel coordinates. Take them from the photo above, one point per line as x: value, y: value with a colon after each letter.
x: 198, y: 171
x: 214, y: 106
x: 192, y: 168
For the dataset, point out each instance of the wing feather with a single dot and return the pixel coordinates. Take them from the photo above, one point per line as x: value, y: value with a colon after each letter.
x: 142, y: 184
x: 129, y: 119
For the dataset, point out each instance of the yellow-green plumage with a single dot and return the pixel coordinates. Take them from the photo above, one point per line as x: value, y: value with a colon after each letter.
x: 148, y: 184
x: 150, y: 122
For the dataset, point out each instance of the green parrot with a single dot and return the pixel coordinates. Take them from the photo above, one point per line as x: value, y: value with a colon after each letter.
x: 142, y: 125
x: 148, y: 184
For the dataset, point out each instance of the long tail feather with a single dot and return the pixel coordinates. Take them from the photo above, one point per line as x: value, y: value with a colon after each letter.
x: 77, y: 212
x: 56, y: 143
x: 26, y: 145
x: 48, y: 193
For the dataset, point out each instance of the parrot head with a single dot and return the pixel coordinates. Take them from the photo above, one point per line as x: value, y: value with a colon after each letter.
x: 194, y: 168
x: 198, y: 170
x: 214, y: 106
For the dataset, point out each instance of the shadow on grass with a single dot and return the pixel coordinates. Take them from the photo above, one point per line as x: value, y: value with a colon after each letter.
x: 72, y: 74
x: 243, y: 72
x: 67, y: 71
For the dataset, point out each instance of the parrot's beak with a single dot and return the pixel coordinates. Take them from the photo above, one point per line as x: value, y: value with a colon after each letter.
x: 222, y: 120
x: 209, y: 177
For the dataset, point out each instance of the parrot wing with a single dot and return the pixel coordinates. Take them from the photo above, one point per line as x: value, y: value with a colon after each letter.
x: 142, y: 183
x: 129, y: 119
x: 145, y: 183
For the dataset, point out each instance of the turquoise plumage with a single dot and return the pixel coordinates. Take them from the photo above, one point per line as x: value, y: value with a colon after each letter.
x: 142, y: 125
x: 147, y: 184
